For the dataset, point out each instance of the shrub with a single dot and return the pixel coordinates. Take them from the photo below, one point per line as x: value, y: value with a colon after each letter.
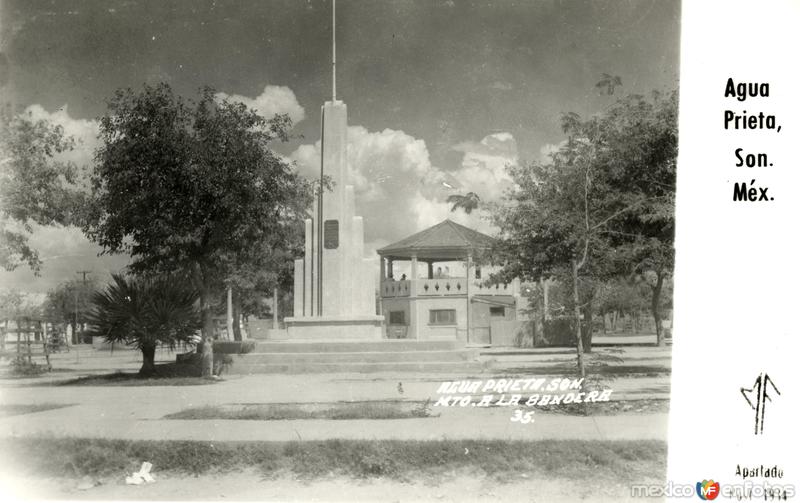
x: 146, y: 311
x: 21, y: 367
x: 234, y: 347
x: 560, y: 332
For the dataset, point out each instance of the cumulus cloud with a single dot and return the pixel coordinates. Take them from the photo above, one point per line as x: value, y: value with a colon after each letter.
x: 63, y: 251
x: 484, y: 168
x: 83, y: 131
x: 400, y: 192
x: 546, y: 152
x: 273, y: 100
x: 388, y: 169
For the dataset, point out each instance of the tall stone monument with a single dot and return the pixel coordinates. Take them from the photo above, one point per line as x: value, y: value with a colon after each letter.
x: 334, y: 285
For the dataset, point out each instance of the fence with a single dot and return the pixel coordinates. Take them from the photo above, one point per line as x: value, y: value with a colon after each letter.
x: 29, y: 338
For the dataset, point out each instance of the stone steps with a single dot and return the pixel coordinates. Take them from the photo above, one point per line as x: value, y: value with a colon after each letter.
x: 360, y: 357
x: 464, y: 368
x: 297, y: 357
x: 386, y: 345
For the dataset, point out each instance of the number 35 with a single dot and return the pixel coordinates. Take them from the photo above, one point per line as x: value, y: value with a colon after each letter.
x: 522, y: 417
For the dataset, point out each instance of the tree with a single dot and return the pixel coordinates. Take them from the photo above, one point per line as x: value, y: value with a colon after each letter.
x: 70, y: 302
x: 468, y: 202
x: 145, y: 312
x: 641, y: 157
x: 608, y: 83
x: 15, y: 304
x: 35, y: 187
x: 260, y: 268
x: 605, y: 197
x: 184, y: 186
x: 546, y: 229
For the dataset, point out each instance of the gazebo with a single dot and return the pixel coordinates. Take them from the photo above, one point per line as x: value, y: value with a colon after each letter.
x: 431, y: 304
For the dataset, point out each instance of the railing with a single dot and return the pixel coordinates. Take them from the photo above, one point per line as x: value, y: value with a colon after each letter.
x: 439, y: 287
x: 395, y: 288
x: 499, y: 289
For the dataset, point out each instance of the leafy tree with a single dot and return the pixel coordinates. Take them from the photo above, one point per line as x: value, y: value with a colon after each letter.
x: 605, y: 197
x: 468, y: 202
x: 145, y: 312
x: 608, y: 83
x: 641, y: 139
x: 191, y: 186
x: 15, y: 304
x: 547, y: 225
x: 35, y: 186
x: 255, y: 271
x: 70, y: 302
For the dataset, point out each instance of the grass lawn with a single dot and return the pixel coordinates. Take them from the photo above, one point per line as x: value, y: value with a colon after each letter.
x: 610, y: 408
x: 334, y: 410
x: 19, y: 409
x: 618, y: 461
x: 167, y: 374
x: 395, y: 410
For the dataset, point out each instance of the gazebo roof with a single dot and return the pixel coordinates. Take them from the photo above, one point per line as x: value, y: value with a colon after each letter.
x: 446, y: 240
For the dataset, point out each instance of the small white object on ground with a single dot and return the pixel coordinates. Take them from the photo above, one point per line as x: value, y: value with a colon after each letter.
x: 142, y: 476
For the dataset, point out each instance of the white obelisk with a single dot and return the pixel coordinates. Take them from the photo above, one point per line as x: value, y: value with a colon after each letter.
x: 334, y: 283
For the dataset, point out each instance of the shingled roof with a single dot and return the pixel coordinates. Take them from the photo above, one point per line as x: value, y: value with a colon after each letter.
x: 446, y: 240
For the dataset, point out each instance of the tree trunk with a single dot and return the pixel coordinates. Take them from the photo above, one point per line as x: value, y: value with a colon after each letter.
x: 588, y: 315
x: 206, y: 347
x: 237, y: 314
x: 655, y: 301
x: 540, y: 317
x: 148, y: 361
x: 577, y: 314
x: 545, y: 299
x: 74, y: 326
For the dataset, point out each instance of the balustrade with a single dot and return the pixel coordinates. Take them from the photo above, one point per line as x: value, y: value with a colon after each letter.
x: 445, y: 287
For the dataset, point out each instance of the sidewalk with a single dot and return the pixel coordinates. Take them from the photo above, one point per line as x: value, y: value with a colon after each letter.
x: 136, y: 412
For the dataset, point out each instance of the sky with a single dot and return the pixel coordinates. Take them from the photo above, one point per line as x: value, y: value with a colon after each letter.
x: 442, y: 95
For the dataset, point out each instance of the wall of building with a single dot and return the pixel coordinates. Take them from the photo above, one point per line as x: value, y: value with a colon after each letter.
x: 428, y: 331
x: 397, y: 305
x: 482, y: 312
x: 417, y: 321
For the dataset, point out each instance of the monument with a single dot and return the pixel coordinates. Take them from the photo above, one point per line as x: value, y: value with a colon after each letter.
x: 334, y: 285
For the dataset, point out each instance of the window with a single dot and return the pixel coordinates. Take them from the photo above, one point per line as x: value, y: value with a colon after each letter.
x: 497, y: 311
x: 397, y: 317
x: 443, y: 316
x: 331, y: 234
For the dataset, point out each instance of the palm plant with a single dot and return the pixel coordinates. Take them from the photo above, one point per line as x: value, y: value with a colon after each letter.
x: 608, y: 83
x: 467, y: 202
x: 146, y: 312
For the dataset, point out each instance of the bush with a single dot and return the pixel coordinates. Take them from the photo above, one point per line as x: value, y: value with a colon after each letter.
x: 145, y: 312
x: 560, y: 332
x: 234, y: 347
x: 21, y: 367
x: 222, y: 362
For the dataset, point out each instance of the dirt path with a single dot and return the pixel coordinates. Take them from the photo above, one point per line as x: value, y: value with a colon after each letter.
x: 251, y: 487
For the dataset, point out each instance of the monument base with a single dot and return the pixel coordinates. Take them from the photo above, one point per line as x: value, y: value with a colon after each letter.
x: 335, y: 328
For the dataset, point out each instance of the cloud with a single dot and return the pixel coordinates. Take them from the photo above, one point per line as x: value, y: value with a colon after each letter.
x: 484, y: 168
x: 546, y: 152
x: 63, y: 251
x: 84, y: 132
x: 273, y: 100
x: 398, y: 190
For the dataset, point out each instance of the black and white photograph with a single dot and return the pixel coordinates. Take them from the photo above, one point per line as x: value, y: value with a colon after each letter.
x: 321, y: 250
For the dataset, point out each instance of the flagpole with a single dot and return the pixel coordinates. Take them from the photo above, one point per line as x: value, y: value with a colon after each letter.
x: 333, y: 29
